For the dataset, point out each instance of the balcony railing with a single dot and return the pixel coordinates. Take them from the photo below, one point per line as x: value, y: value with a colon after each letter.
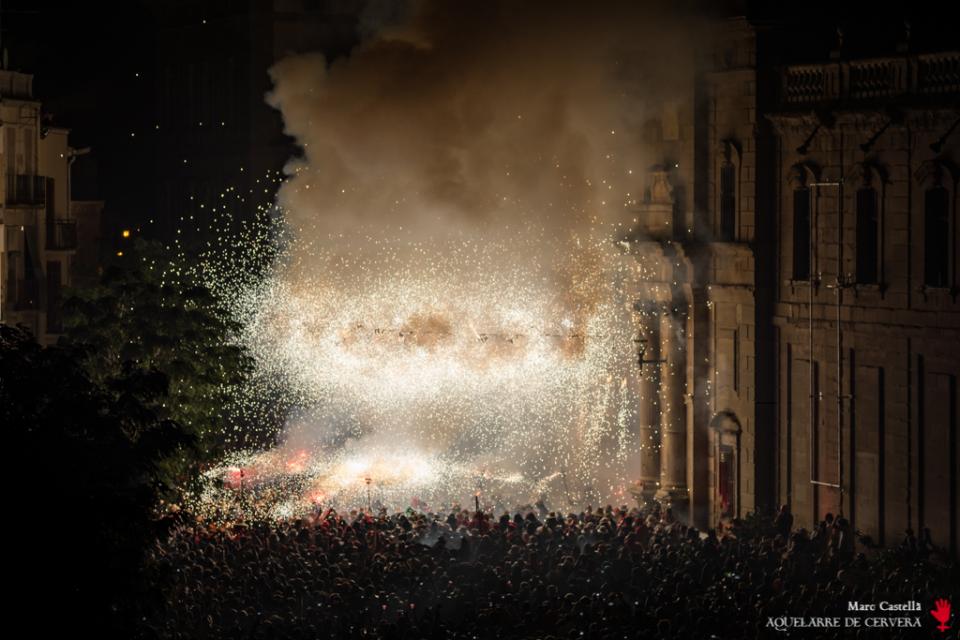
x: 807, y: 83
x: 938, y: 73
x: 871, y: 79
x: 61, y: 235
x: 877, y: 79
x: 26, y: 190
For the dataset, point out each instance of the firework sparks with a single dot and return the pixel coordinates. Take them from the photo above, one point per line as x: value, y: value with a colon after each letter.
x: 426, y: 374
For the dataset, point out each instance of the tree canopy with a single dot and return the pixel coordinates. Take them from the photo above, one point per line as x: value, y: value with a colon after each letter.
x: 84, y: 491
x: 151, y: 312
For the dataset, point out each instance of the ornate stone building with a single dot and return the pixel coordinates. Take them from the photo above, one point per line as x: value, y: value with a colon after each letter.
x: 798, y: 315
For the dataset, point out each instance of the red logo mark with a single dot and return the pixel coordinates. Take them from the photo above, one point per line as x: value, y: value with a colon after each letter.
x: 942, y: 614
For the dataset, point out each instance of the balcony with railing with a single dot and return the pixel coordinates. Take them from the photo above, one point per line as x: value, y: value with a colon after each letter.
x: 807, y: 83
x: 938, y: 73
x: 26, y: 191
x: 61, y: 235
x: 871, y: 79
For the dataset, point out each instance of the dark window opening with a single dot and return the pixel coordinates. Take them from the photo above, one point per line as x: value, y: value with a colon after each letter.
x: 679, y: 211
x: 727, y: 482
x: 801, y: 234
x: 868, y: 237
x: 54, y: 286
x: 936, y: 238
x: 728, y: 203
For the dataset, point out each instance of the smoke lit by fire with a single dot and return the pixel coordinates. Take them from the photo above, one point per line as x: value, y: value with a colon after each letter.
x: 449, y: 311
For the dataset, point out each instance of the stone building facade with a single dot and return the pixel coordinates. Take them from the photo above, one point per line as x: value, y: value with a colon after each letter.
x: 798, y: 319
x: 48, y: 241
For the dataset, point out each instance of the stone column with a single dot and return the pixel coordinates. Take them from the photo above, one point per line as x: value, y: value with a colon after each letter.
x: 673, y: 412
x: 648, y: 414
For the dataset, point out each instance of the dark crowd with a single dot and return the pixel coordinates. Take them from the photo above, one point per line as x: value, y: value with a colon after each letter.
x: 599, y: 574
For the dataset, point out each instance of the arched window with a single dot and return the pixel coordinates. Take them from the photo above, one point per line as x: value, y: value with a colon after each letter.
x: 936, y: 238
x: 728, y: 202
x: 801, y: 233
x: 868, y: 236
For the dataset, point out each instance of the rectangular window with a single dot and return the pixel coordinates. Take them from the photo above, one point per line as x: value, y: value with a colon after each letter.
x: 727, y: 482
x: 728, y: 203
x: 936, y: 238
x: 801, y: 234
x: 10, y: 149
x: 54, y: 282
x: 13, y: 261
x: 868, y: 237
x: 28, y: 164
x: 30, y: 255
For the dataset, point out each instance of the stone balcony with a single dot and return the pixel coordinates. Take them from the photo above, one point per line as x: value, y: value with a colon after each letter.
x: 870, y: 79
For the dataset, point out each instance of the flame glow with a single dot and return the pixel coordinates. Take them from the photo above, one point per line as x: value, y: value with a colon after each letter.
x: 440, y: 373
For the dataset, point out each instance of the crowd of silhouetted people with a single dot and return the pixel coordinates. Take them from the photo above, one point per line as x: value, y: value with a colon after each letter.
x: 602, y: 573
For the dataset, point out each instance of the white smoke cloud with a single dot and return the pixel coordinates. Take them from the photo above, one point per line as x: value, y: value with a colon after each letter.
x: 473, y: 115
x: 454, y: 289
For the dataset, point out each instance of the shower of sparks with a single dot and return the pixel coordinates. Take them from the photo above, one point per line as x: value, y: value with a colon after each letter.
x: 423, y: 373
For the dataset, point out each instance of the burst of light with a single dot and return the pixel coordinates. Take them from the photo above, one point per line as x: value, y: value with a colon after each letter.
x: 436, y: 371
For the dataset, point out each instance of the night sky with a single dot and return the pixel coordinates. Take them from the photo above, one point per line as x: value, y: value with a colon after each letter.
x: 97, y: 69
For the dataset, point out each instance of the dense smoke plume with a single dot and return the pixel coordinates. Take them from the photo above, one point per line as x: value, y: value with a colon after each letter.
x: 453, y: 314
x: 472, y: 114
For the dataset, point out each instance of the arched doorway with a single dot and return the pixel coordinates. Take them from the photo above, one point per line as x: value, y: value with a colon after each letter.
x: 725, y: 448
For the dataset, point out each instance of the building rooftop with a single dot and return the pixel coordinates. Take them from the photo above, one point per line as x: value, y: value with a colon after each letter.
x: 14, y: 84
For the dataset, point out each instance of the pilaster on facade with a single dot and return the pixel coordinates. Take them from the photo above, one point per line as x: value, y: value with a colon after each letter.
x: 674, y: 488
x: 662, y: 295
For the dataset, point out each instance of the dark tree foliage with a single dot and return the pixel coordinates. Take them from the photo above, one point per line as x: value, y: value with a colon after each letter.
x: 83, y: 492
x: 150, y: 312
